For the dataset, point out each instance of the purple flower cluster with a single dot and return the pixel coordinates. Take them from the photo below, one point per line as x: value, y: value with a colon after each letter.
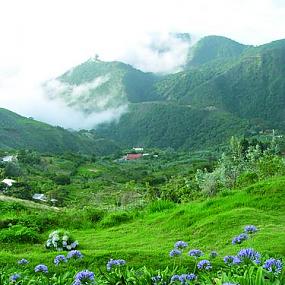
x: 15, y: 277
x: 23, y: 261
x: 204, y: 264
x: 195, y: 253
x: 175, y: 252
x: 249, y: 255
x: 183, y: 278
x: 273, y: 265
x: 231, y: 260
x: 115, y: 262
x: 76, y: 254
x: 84, y: 277
x: 59, y: 259
x: 240, y: 238
x: 250, y: 229
x: 180, y: 244
x: 41, y: 268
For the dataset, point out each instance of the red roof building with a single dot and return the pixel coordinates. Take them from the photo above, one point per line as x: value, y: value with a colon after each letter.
x: 132, y: 156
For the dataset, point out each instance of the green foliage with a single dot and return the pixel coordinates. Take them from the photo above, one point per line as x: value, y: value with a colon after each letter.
x: 181, y: 127
x: 12, y: 169
x: 62, y: 179
x: 115, y: 219
x: 241, y: 166
x: 160, y: 206
x: 19, y: 132
x: 19, y: 234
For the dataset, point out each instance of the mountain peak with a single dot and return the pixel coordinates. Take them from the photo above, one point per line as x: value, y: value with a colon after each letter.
x: 212, y: 48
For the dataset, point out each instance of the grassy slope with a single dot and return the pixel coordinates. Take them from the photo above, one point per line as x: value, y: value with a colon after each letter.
x: 21, y: 132
x: 208, y: 225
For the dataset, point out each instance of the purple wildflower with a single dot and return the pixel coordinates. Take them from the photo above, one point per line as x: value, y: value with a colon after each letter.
x: 41, y: 268
x: 175, y: 278
x: 231, y: 260
x: 250, y: 229
x: 180, y: 244
x: 84, y: 277
x: 23, y: 261
x: 204, y: 264
x: 195, y: 253
x: 58, y: 259
x: 15, y: 277
x: 249, y: 255
x: 187, y: 277
x: 175, y: 252
x: 273, y: 265
x: 115, y: 262
x: 240, y: 238
x: 75, y: 254
x: 183, y: 278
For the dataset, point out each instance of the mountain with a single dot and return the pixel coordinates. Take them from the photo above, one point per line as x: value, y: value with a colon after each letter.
x: 214, y: 48
x: 225, y: 88
x: 171, y: 125
x: 251, y: 86
x: 19, y: 132
x: 96, y: 85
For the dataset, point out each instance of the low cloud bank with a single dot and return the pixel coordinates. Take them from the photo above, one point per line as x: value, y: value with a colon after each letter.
x: 21, y: 95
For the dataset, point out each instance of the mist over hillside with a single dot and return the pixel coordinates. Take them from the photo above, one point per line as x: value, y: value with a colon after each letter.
x: 222, y: 82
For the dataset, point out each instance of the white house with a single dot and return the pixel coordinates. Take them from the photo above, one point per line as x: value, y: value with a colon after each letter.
x: 40, y: 197
x: 138, y: 149
x: 8, y: 182
x: 9, y: 158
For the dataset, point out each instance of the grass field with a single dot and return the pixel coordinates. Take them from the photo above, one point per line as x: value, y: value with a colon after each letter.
x: 145, y: 236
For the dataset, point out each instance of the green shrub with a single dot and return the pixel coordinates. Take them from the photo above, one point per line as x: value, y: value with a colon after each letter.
x: 246, y: 179
x: 94, y: 215
x: 160, y: 206
x: 62, y: 179
x: 19, y: 234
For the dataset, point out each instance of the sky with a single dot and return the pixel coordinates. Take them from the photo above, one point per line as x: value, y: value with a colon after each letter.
x: 41, y: 39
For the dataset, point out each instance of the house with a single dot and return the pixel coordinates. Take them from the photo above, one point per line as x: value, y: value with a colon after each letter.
x: 138, y: 149
x: 9, y: 158
x: 8, y: 182
x: 40, y: 197
x: 133, y: 156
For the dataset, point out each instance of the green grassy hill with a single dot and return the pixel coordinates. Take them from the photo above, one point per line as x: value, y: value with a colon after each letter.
x: 146, y: 236
x: 17, y: 132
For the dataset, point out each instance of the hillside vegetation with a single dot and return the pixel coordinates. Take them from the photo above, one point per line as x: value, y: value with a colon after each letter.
x: 17, y: 132
x: 222, y: 79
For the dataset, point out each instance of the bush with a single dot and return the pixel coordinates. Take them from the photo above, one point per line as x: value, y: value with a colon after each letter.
x: 94, y: 215
x: 19, y: 234
x: 62, y: 179
x: 246, y: 179
x: 61, y: 240
x: 12, y: 170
